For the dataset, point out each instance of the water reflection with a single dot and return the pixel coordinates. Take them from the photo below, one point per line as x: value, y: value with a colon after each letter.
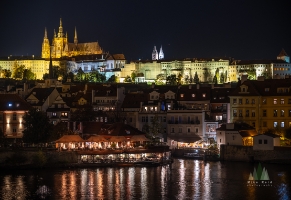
x: 185, y: 179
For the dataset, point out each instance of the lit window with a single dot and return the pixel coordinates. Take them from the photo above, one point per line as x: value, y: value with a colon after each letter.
x: 282, y: 124
x: 204, y: 95
x: 264, y: 101
x: 275, y: 124
x: 282, y: 113
x: 181, y: 95
x: 10, y: 104
x: 282, y: 101
x: 193, y: 95
x: 275, y: 101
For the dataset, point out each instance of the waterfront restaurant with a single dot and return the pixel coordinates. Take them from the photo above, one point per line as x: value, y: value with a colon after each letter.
x: 70, y: 142
x: 120, y: 144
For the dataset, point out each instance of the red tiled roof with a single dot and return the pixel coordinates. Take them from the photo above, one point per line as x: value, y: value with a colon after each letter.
x: 13, y: 102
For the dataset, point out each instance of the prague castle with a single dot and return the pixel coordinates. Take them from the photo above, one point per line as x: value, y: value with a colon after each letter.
x: 60, y: 46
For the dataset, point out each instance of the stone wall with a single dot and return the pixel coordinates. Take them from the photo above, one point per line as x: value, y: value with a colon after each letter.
x: 51, y: 157
x: 246, y: 153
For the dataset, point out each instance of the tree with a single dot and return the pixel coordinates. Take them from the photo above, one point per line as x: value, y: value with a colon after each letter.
x: 225, y: 76
x: 215, y: 79
x: 127, y: 79
x: 80, y: 75
x: 133, y: 75
x: 171, y: 80
x: 37, y: 127
x: 155, y: 127
x: 28, y: 74
x: 206, y: 74
x: 58, y: 131
x: 196, y: 78
x: 221, y: 77
x: 7, y: 73
x: 17, y: 72
x: 160, y: 79
x: 112, y: 79
x: 179, y: 79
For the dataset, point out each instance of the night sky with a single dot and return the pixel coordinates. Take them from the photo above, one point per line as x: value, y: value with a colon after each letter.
x: 197, y: 29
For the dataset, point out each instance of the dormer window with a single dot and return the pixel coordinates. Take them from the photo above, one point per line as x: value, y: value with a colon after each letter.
x: 243, y: 88
x: 203, y: 95
x: 193, y: 95
x: 267, y: 89
x: 182, y: 95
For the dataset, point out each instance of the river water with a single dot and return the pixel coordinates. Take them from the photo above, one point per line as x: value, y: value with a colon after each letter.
x: 184, y: 179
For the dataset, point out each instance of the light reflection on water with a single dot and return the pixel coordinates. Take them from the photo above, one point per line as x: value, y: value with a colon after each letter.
x: 185, y: 179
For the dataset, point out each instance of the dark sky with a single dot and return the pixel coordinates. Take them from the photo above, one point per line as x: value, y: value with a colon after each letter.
x: 185, y: 28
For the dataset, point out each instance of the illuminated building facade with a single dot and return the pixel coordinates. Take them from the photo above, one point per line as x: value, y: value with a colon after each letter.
x: 12, y: 110
x: 263, y: 104
x: 61, y: 46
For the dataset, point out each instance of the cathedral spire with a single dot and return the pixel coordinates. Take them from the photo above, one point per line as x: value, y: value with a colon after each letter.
x: 161, y: 54
x: 60, y: 34
x: 55, y: 35
x: 75, y: 37
x: 45, y: 33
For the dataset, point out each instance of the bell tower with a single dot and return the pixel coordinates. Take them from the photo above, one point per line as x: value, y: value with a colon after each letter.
x: 45, y: 52
x: 155, y: 55
x: 161, y: 54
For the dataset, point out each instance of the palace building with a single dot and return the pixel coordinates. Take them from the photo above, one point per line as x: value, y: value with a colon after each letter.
x: 61, y: 47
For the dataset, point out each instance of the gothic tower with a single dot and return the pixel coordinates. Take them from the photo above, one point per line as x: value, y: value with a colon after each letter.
x: 75, y: 37
x: 59, y: 43
x: 161, y: 54
x: 45, y: 52
x: 155, y: 55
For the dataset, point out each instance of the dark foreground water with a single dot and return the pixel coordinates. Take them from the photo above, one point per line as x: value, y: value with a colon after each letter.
x: 185, y: 179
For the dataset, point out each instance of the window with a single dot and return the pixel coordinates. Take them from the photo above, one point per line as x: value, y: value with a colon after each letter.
x: 289, y: 113
x: 193, y: 95
x: 196, y: 130
x: 282, y: 101
x: 275, y: 101
x: 239, y: 101
x: 275, y: 124
x: 180, y: 129
x: 64, y: 114
x: 14, y: 116
x: 247, y: 113
x: 14, y: 129
x: 282, y: 124
x: 235, y: 113
x: 54, y: 114
x: 253, y: 101
x: 264, y: 124
x: 142, y: 119
x: 247, y: 101
x: 240, y: 113
x: 181, y: 95
x: 267, y: 89
x: 265, y: 141
x: 173, y: 130
x: 275, y: 113
x: 289, y: 101
x: 234, y: 101
x: 264, y: 101
x: 253, y: 113
x: 203, y: 95
x: 282, y: 113
x: 264, y: 113
x: 10, y: 104
x: 260, y: 141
